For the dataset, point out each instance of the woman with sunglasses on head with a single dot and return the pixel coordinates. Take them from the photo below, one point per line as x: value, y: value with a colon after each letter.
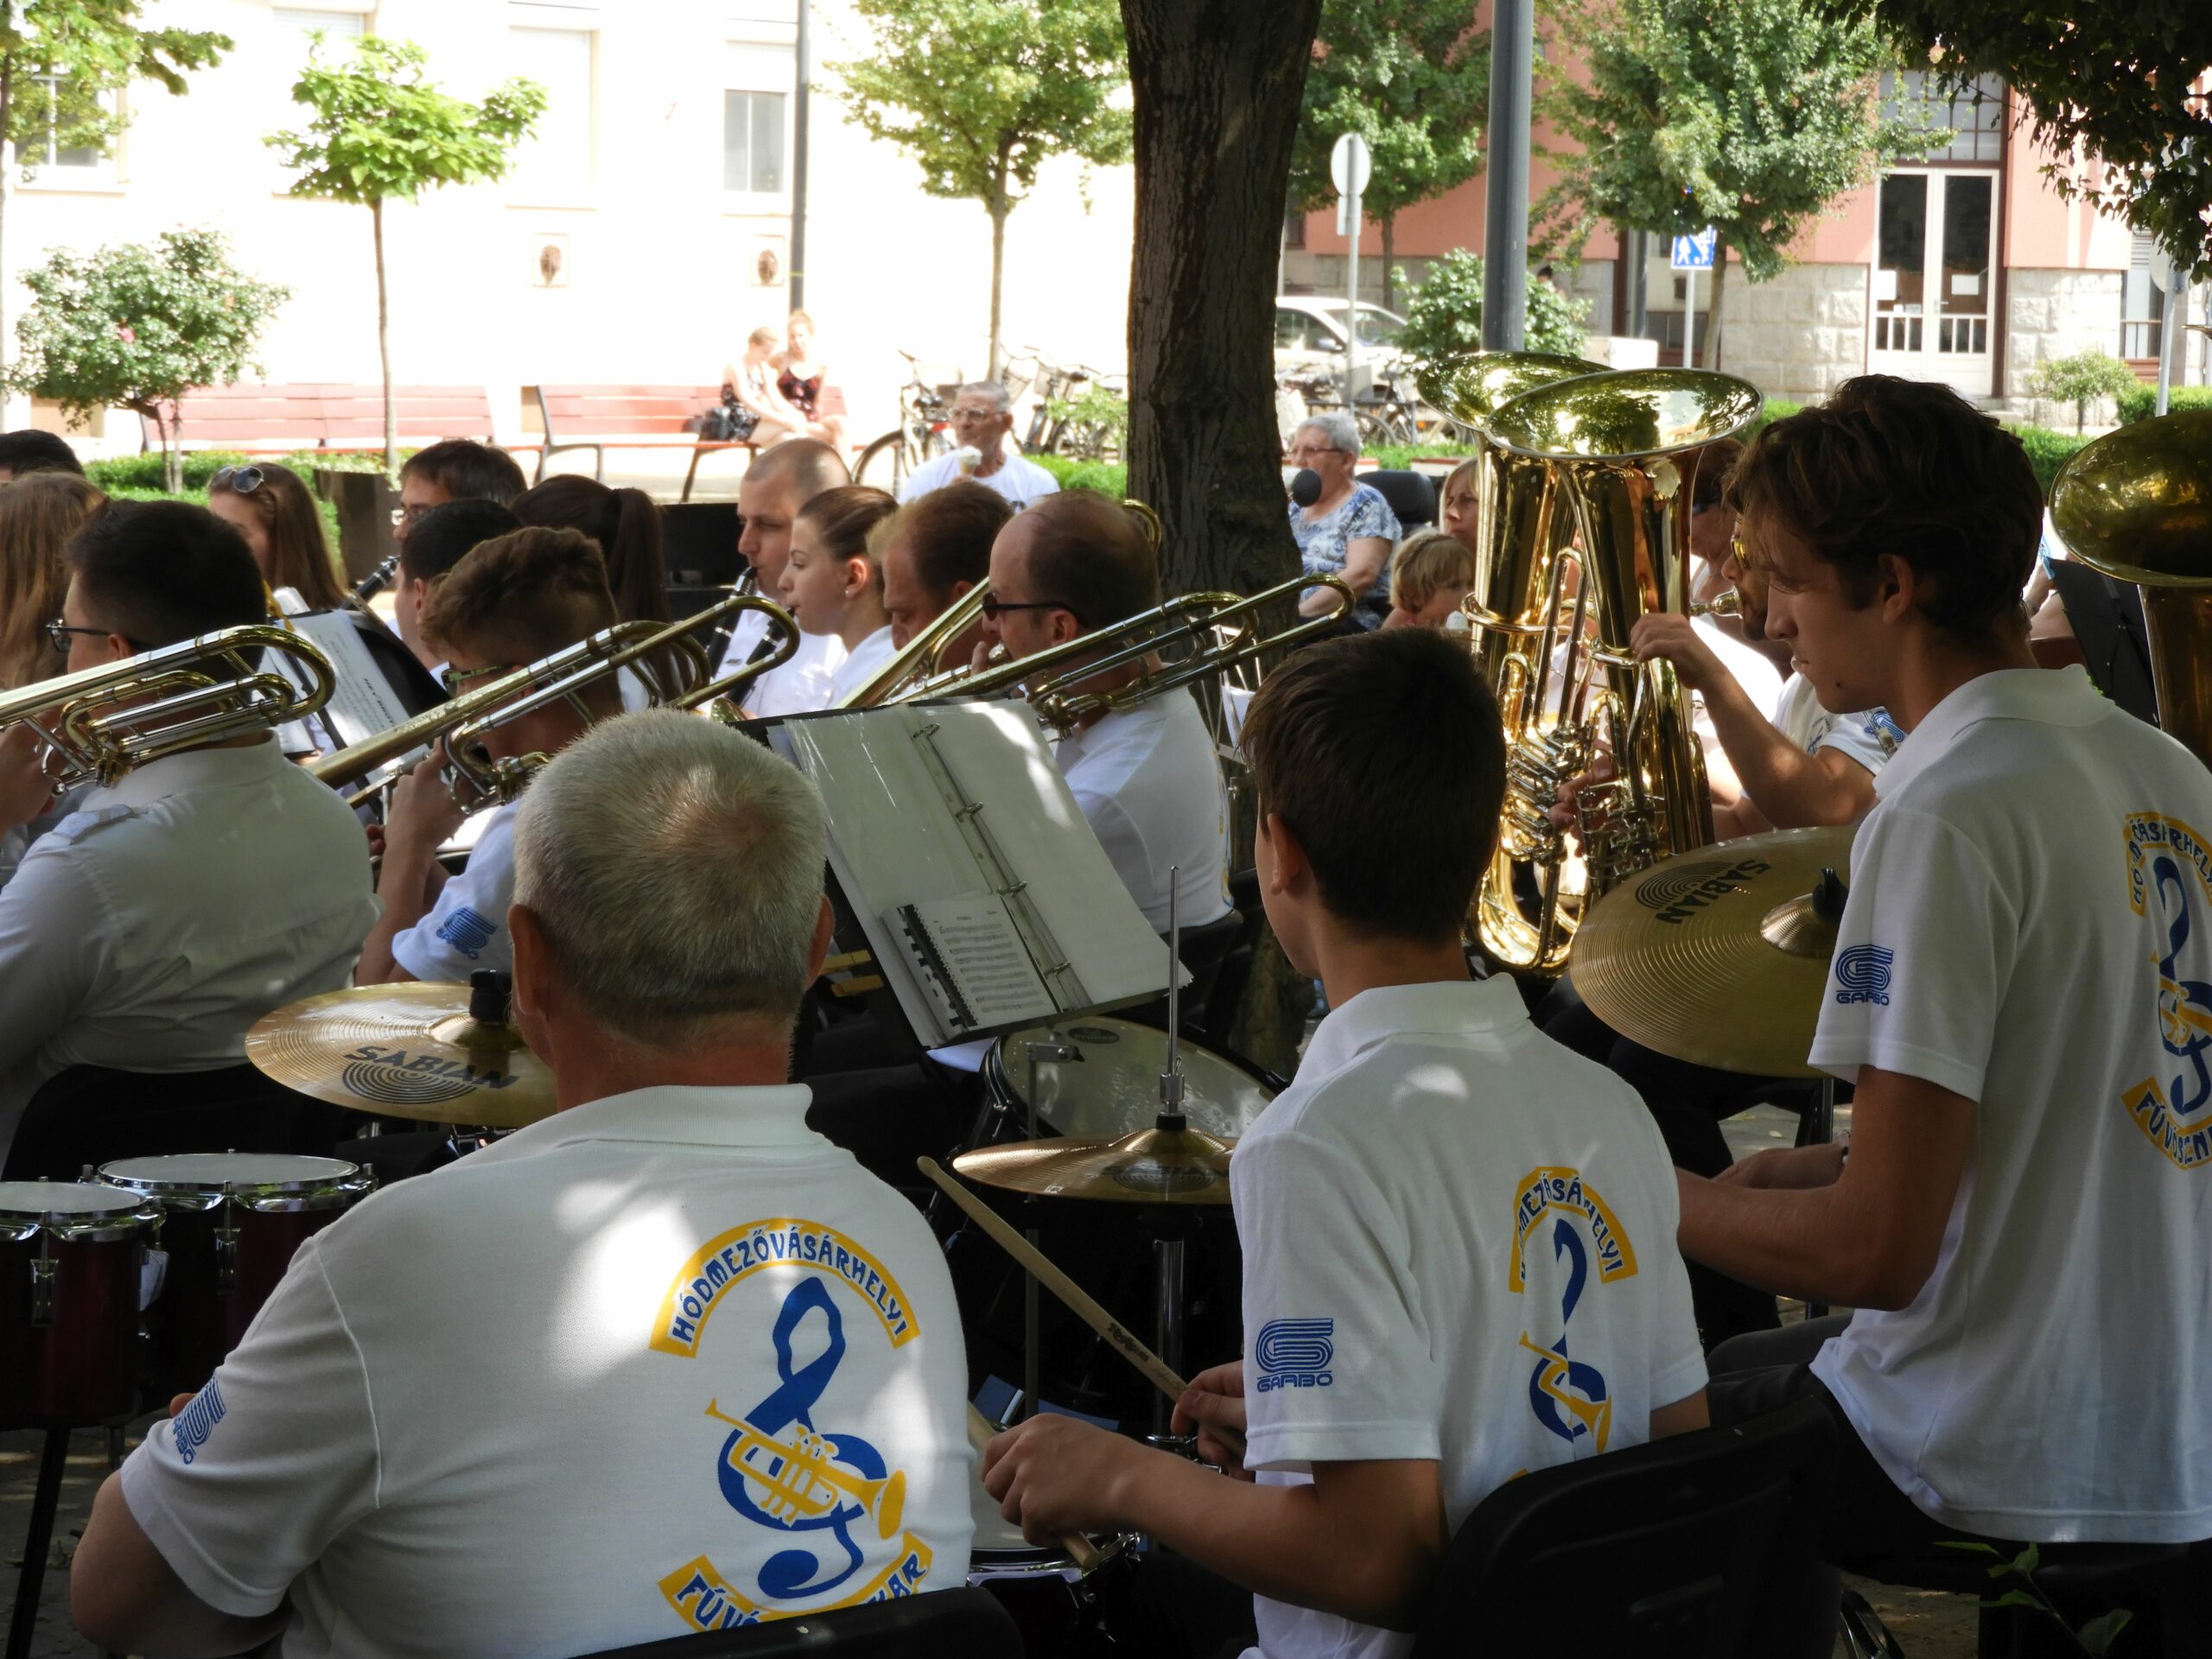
x: 273, y: 509
x: 38, y: 515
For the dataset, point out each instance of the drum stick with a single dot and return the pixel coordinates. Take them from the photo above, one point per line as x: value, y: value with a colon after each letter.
x: 1080, y: 1550
x: 1078, y: 1299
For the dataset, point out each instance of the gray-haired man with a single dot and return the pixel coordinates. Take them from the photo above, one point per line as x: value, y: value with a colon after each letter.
x: 666, y: 1361
x: 982, y: 416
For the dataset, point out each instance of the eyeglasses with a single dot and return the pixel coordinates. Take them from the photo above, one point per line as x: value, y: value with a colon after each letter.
x: 456, y: 678
x: 58, y: 633
x: 994, y: 608
x: 409, y: 515
x: 976, y: 414
x: 241, y: 481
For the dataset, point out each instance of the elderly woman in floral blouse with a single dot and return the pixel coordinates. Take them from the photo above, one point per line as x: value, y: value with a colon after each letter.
x: 1349, y: 530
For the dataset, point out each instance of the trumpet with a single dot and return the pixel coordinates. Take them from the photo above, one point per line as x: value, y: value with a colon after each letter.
x: 668, y: 657
x: 98, y: 723
x: 801, y: 1480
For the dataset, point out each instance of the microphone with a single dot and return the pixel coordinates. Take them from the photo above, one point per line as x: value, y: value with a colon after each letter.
x: 1306, y: 487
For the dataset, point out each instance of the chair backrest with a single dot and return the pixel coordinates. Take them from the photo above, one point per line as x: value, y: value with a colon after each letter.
x: 92, y: 1115
x: 307, y: 415
x: 966, y: 1622
x: 1663, y: 1551
x: 621, y: 411
x: 1411, y: 496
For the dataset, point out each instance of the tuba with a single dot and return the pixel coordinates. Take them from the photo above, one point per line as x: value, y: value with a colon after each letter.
x: 1573, y: 554
x: 2137, y: 505
x: 96, y: 724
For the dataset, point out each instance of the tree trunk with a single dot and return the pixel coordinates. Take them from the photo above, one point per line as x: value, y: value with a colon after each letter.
x: 384, y: 351
x: 7, y: 115
x: 170, y: 426
x: 999, y: 211
x: 1389, y: 253
x: 1713, y: 322
x: 1216, y: 86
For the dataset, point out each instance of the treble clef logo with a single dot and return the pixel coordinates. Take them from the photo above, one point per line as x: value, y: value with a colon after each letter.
x: 2184, y: 1005
x: 815, y: 1481
x: 1568, y: 1396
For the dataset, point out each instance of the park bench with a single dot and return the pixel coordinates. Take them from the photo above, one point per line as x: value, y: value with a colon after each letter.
x: 278, y: 420
x: 599, y: 418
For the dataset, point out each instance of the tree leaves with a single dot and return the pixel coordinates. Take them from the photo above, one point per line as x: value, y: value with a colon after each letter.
x: 66, y: 59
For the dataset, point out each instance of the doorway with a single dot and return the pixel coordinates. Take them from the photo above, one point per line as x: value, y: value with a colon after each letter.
x: 1934, y: 278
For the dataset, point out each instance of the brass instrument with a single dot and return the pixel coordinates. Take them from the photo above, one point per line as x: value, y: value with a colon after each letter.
x: 1596, y: 459
x: 2137, y: 505
x: 923, y: 658
x: 96, y: 724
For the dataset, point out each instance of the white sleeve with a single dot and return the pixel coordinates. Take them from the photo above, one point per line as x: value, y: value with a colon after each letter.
x: 1869, y: 737
x: 1924, y: 958
x: 272, y: 1460
x: 1336, y: 1359
x: 1124, y: 843
x: 54, y: 934
x: 1678, y: 1368
x: 467, y: 929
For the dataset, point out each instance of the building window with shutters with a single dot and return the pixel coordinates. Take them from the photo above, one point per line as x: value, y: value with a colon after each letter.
x: 2142, y: 306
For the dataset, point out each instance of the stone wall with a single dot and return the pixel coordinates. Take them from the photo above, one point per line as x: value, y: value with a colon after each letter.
x: 2051, y: 313
x: 1798, y: 336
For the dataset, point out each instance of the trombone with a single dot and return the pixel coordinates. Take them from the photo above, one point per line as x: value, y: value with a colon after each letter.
x: 922, y: 658
x: 672, y: 663
x: 98, y: 723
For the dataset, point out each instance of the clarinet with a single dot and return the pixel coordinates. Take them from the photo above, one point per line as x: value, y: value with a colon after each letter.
x: 376, y: 581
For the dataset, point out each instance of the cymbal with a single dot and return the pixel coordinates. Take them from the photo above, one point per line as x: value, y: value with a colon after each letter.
x: 409, y: 1050
x: 1151, y: 1166
x: 1720, y: 955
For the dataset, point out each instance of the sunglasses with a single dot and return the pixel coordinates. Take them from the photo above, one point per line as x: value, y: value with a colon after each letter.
x: 58, y: 633
x: 994, y: 608
x: 240, y: 480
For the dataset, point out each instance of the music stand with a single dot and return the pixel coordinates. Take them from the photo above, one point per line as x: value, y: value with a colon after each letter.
x: 2107, y: 617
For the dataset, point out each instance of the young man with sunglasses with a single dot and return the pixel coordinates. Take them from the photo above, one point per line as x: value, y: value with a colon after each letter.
x: 982, y: 418
x: 1146, y: 777
x: 508, y: 602
x: 150, y: 927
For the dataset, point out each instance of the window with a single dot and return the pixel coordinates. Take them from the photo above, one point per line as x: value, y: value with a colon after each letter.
x: 2142, y: 305
x: 753, y: 142
x: 1972, y: 113
x: 339, y: 25
x: 552, y: 166
x: 66, y: 166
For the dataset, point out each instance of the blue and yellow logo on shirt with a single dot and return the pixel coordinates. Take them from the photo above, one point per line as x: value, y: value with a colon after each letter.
x: 2170, y: 881
x: 1569, y: 1397
x: 829, y: 1497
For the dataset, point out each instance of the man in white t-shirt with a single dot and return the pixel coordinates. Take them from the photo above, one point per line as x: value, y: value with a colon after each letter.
x: 1147, y: 777
x: 1458, y: 1237
x: 665, y: 1362
x: 780, y: 480
x: 508, y: 602
x: 2021, y: 992
x: 983, y: 419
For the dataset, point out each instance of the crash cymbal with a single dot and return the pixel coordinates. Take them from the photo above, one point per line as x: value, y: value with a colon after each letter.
x: 409, y: 1050
x: 1151, y: 1166
x: 1719, y: 956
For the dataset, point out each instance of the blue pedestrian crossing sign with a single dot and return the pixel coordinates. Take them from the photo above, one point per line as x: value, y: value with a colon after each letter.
x: 1693, y: 252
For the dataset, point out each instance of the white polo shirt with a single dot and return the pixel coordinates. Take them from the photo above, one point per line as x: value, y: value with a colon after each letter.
x: 665, y: 1362
x: 1022, y: 482
x: 151, y: 927
x: 802, y: 685
x: 752, y: 628
x: 466, y: 928
x: 1870, y: 737
x: 1459, y: 1243
x: 871, y: 654
x: 2030, y: 925
x: 1148, y: 781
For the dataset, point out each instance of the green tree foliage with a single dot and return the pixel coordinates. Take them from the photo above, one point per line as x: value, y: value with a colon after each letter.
x: 982, y: 92
x: 2119, y: 81
x: 137, y: 326
x: 62, y: 64
x: 1750, y: 116
x: 378, y: 131
x: 1412, y: 77
x: 2081, y: 379
x: 1444, y: 315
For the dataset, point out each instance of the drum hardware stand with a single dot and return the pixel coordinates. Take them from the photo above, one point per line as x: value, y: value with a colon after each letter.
x: 43, y: 1269
x: 1171, y: 1232
x: 227, y: 1241
x: 1057, y: 1051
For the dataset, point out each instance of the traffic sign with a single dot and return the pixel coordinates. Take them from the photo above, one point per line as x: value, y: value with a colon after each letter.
x: 1349, y: 165
x: 1693, y: 252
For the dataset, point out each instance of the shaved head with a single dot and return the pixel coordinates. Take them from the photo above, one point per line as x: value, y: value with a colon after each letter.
x: 803, y: 466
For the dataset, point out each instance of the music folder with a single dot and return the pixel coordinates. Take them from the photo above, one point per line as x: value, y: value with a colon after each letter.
x: 985, y: 897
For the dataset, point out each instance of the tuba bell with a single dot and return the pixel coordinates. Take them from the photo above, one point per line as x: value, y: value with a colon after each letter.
x: 2137, y: 505
x: 1576, y: 553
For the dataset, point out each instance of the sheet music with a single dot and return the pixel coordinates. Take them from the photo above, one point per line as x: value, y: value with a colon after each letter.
x: 363, y: 701
x: 970, y: 946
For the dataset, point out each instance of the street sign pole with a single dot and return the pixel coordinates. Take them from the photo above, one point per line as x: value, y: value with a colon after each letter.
x: 1348, y: 166
x: 1689, y: 323
x: 2173, y: 282
x: 1691, y: 254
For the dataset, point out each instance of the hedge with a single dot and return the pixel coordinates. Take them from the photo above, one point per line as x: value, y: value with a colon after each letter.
x: 2136, y: 405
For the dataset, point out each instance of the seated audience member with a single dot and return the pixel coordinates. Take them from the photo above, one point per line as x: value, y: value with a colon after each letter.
x: 1434, y: 1153
x: 1350, y: 530
x: 2019, y: 1212
x: 39, y: 516
x: 28, y: 450
x: 774, y: 488
x: 983, y: 420
x: 594, y: 1346
x: 453, y: 469
x: 1457, y: 503
x: 507, y: 603
x: 625, y: 524
x: 801, y: 380
x: 439, y: 540
x: 832, y: 586
x: 752, y: 380
x: 1431, y: 574
x: 933, y: 551
x: 152, y: 926
x: 1147, y: 777
x: 276, y: 513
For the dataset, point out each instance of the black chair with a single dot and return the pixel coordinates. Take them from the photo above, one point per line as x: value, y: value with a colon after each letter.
x: 2168, y: 1588
x: 91, y: 1115
x: 1411, y: 496
x: 966, y: 1622
x: 699, y: 544
x: 1226, y: 995
x: 1664, y: 1551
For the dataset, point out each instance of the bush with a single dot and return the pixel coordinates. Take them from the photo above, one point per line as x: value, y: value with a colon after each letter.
x: 2081, y: 379
x: 2139, y: 400
x: 1106, y: 477
x: 1444, y: 313
x: 2047, y: 450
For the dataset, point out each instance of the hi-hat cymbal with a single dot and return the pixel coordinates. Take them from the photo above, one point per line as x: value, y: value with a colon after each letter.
x: 1151, y: 1166
x: 1719, y: 956
x: 408, y: 1050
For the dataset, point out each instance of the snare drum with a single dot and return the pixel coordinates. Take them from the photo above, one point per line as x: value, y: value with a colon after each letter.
x: 230, y: 1224
x: 70, y: 1257
x: 1056, y: 1607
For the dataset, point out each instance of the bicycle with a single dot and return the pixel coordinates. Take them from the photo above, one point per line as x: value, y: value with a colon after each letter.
x: 924, y: 433
x: 1066, y: 419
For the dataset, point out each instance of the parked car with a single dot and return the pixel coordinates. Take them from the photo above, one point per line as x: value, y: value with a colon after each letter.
x: 1310, y: 335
